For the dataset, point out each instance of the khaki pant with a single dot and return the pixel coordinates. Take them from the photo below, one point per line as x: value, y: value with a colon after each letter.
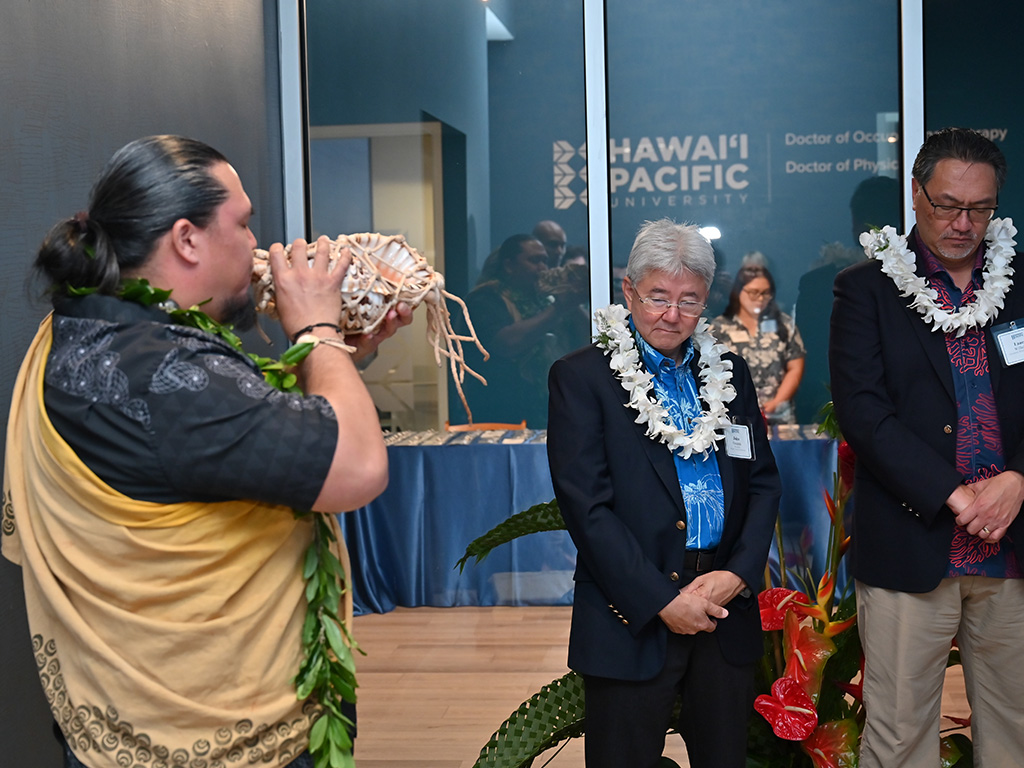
x: 906, y: 639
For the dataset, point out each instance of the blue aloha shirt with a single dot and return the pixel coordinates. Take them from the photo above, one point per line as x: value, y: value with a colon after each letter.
x: 699, y: 478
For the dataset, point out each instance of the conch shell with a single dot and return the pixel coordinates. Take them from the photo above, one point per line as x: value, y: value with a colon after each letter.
x: 385, y: 270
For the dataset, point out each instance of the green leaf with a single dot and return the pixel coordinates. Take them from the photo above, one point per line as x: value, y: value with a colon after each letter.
x: 141, y: 292
x: 317, y: 733
x: 310, y: 563
x: 335, y: 639
x: 550, y: 716
x: 312, y: 586
x: 296, y: 353
x: 73, y: 291
x: 540, y: 517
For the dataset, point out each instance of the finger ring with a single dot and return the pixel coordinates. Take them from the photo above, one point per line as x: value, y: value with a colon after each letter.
x: 986, y: 530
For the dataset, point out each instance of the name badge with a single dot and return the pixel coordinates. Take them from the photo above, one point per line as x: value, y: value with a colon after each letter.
x: 738, y: 442
x: 1010, y: 341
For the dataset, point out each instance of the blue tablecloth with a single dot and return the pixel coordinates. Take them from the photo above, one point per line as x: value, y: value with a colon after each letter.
x: 404, y: 546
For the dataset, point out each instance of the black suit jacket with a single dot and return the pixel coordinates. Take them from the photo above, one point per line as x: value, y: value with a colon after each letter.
x: 620, y: 497
x: 893, y: 391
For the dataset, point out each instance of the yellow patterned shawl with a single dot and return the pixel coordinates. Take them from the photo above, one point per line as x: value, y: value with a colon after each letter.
x: 165, y: 634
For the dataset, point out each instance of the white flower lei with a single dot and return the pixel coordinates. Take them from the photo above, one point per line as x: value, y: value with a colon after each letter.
x: 898, y: 263
x: 616, y: 339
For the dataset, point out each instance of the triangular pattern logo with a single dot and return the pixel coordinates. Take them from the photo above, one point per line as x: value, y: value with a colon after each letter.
x: 565, y: 157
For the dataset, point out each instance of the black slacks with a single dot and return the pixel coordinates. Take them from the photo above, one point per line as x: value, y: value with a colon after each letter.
x: 627, y: 720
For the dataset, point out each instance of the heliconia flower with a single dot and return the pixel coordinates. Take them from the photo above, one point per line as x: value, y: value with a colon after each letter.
x: 788, y: 710
x: 833, y: 745
x: 826, y: 587
x: 777, y: 602
x: 806, y: 653
x: 830, y: 505
x: 843, y: 546
x: 834, y: 628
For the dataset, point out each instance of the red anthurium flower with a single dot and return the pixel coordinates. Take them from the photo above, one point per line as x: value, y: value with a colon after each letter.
x: 776, y: 603
x: 854, y: 689
x: 833, y: 745
x: 847, y: 463
x: 806, y: 654
x: 789, y: 710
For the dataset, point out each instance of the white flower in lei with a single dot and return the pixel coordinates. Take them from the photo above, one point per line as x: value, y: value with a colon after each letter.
x: 898, y: 263
x: 616, y: 339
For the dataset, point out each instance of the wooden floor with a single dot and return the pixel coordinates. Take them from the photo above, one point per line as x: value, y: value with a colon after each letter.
x: 437, y: 682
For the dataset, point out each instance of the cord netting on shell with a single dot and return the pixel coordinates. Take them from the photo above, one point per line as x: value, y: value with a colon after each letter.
x: 385, y: 270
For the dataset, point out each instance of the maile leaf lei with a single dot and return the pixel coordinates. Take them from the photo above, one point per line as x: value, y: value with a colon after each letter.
x: 327, y: 671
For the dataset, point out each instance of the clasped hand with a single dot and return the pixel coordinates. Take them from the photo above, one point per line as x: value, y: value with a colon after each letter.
x: 701, y: 603
x: 986, y: 508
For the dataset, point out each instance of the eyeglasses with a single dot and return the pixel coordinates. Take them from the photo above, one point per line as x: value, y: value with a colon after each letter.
x: 661, y: 306
x: 952, y: 212
x: 758, y: 295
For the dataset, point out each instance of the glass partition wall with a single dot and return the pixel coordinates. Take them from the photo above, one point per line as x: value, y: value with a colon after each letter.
x: 460, y: 125
x: 782, y: 128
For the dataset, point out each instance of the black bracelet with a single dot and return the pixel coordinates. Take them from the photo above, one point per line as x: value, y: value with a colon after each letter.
x: 309, y: 328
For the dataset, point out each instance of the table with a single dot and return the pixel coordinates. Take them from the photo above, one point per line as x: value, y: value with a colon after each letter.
x: 405, y: 545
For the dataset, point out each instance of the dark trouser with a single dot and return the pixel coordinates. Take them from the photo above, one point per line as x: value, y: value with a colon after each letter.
x: 627, y: 720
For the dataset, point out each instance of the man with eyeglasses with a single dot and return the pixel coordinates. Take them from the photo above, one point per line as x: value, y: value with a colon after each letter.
x: 928, y: 385
x: 662, y: 469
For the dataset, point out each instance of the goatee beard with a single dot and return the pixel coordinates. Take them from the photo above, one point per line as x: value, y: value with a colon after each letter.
x: 241, y: 314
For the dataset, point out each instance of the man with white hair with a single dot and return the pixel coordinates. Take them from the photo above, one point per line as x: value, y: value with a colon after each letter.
x: 663, y: 472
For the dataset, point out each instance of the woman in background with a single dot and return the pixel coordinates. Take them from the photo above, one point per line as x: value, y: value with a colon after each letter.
x: 754, y: 327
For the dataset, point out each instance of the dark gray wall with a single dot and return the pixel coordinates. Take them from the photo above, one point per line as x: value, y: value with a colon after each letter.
x: 77, y: 81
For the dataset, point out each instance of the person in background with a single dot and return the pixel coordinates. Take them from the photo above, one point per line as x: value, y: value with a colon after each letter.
x: 754, y: 327
x: 576, y: 255
x: 552, y: 237
x: 672, y: 543
x: 523, y: 329
x: 935, y: 415
x: 875, y: 203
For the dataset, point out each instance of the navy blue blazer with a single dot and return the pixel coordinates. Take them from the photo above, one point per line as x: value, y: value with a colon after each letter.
x: 892, y: 386
x: 620, y: 497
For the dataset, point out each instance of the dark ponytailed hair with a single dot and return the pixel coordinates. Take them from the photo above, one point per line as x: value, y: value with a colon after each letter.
x: 144, y: 188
